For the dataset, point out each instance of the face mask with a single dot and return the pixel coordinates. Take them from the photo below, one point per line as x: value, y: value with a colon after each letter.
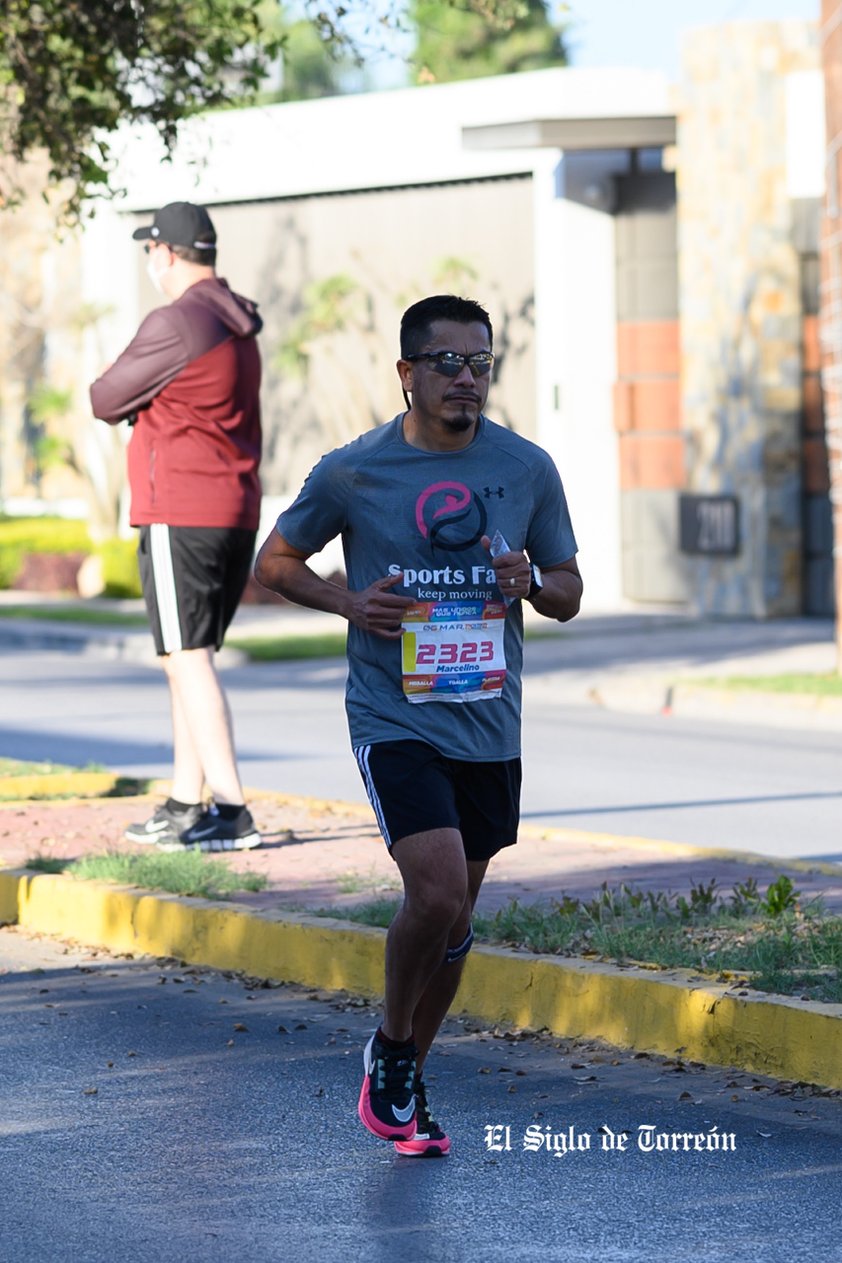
x: 155, y: 274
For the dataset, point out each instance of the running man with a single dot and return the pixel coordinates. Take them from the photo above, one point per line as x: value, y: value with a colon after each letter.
x: 449, y: 522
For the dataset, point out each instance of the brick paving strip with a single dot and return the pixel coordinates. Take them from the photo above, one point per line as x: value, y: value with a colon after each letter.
x: 318, y: 854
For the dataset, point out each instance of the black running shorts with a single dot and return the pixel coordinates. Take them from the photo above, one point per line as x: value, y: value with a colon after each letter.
x: 193, y: 578
x: 414, y: 789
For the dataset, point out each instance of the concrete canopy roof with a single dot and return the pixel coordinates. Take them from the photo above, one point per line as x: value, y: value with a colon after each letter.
x: 475, y: 129
x: 574, y: 133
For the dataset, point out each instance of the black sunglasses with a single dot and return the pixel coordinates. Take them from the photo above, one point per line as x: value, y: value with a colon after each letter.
x: 450, y: 363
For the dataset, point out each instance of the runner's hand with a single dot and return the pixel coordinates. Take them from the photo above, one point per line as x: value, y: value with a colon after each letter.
x: 379, y: 611
x: 514, y: 574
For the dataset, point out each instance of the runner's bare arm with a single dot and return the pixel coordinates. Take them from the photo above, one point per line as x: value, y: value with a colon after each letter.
x: 561, y: 595
x: 283, y: 569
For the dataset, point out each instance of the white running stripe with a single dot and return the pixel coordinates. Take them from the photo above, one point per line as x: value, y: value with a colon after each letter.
x: 166, y: 597
x: 361, y: 754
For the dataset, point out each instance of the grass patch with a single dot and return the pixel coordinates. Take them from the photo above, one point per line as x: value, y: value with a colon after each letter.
x: 20, y: 767
x: 765, y: 940
x: 188, y: 873
x: 378, y: 913
x: 815, y: 685
x: 59, y: 613
x: 317, y: 645
x: 47, y: 864
x: 290, y: 648
x: 21, y: 778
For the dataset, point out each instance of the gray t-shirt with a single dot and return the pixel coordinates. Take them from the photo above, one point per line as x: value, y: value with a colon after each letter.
x: 403, y: 510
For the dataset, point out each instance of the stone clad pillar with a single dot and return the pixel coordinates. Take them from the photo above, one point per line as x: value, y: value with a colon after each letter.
x: 740, y: 304
x: 831, y: 288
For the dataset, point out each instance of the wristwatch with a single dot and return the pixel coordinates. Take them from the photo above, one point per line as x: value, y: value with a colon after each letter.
x: 537, y: 582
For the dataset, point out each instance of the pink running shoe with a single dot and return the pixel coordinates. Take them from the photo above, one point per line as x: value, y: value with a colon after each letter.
x: 429, y: 1140
x: 387, y: 1102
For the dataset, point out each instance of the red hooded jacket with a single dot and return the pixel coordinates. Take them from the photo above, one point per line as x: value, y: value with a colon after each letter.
x: 191, y: 378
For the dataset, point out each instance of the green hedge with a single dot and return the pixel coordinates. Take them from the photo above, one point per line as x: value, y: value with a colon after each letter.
x: 119, y: 567
x: 22, y: 535
x: 19, y: 536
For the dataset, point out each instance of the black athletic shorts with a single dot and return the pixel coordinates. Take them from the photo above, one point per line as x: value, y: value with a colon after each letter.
x: 414, y: 789
x: 192, y: 579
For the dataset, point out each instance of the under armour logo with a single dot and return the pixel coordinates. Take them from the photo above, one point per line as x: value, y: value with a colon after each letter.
x: 488, y: 493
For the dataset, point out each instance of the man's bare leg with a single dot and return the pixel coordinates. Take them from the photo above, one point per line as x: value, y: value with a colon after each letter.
x: 202, y: 729
x: 188, y: 778
x: 441, y: 989
x: 435, y: 877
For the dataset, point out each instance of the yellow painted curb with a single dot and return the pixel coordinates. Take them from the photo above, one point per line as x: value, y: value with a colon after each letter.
x: 293, y: 948
x: 50, y: 784
x: 663, y: 1012
x: 657, y: 1011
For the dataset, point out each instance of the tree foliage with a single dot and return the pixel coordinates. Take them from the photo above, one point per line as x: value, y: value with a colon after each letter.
x: 312, y: 60
x: 458, y: 41
x: 72, y: 70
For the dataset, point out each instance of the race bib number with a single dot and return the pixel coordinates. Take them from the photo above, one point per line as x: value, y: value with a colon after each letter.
x: 453, y: 651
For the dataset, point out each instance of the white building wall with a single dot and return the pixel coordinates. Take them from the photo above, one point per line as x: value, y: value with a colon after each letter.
x: 576, y: 369
x: 412, y: 137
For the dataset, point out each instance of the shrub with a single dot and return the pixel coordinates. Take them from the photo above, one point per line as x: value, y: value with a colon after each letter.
x: 120, y: 574
x: 19, y: 536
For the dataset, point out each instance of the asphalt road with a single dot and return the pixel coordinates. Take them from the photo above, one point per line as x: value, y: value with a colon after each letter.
x: 763, y: 789
x: 150, y: 1111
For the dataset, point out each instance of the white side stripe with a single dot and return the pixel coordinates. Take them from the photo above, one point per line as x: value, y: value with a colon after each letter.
x: 166, y: 597
x: 361, y: 754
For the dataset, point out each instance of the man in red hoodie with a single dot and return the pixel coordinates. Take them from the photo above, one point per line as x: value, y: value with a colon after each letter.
x: 189, y: 385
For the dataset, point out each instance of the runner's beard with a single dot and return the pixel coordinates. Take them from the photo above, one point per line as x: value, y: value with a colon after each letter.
x: 460, y: 423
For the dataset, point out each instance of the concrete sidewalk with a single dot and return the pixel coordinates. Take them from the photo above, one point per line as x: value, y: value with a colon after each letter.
x: 319, y: 854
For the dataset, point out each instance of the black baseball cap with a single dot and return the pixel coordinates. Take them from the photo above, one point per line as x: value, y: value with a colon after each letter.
x: 180, y: 224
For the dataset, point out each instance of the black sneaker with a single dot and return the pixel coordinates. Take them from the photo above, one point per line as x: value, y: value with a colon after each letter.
x: 387, y: 1101
x: 165, y: 825
x: 212, y: 832
x: 429, y: 1140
